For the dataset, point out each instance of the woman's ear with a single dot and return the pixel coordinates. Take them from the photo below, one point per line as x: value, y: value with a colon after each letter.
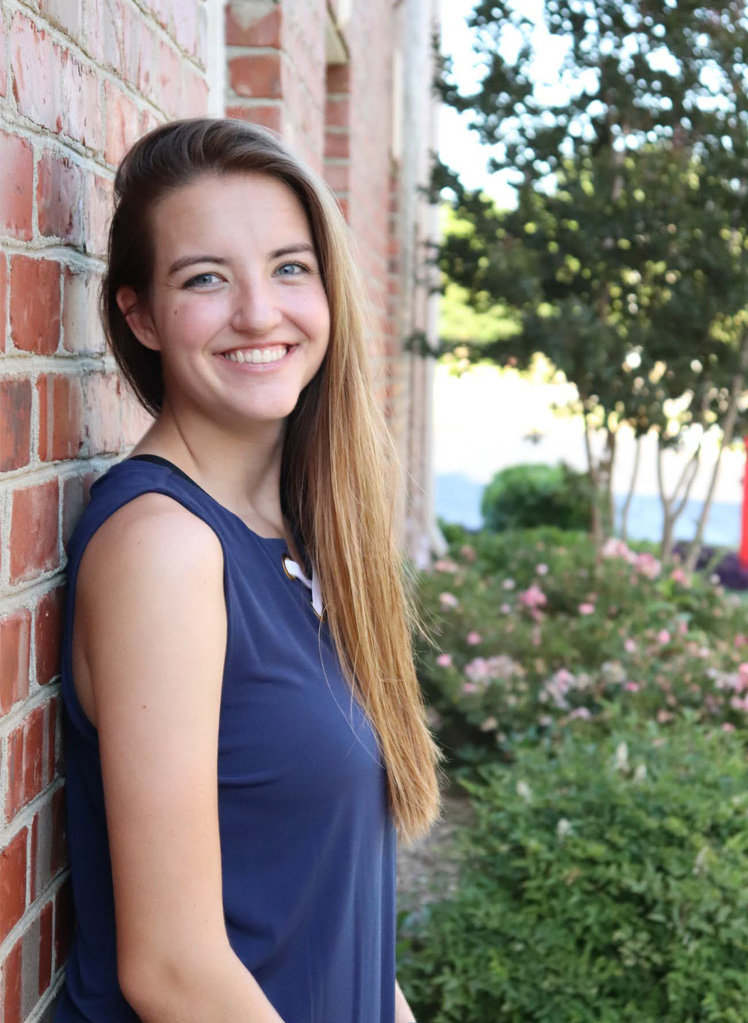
x: 137, y: 317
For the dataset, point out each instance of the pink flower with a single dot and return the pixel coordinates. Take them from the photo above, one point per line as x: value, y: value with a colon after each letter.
x: 445, y: 565
x: 630, y: 646
x: 586, y: 609
x: 533, y: 597
x: 740, y: 640
x: 469, y: 687
x: 663, y: 716
x: 633, y: 687
x: 473, y: 638
x: 727, y: 726
x: 679, y: 576
x: 541, y: 569
x: 663, y: 637
x: 579, y: 712
x: 648, y: 565
x: 506, y: 609
x: 509, y: 584
x: 448, y: 601
x: 737, y: 704
x: 444, y: 660
x: 467, y: 552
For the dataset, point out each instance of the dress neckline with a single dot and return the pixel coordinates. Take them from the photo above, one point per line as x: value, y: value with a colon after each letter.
x: 160, y: 460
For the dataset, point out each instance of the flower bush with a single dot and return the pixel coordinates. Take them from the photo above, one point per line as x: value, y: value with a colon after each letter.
x: 603, y: 882
x: 532, y: 633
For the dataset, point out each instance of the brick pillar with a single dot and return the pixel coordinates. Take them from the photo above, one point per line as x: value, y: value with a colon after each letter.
x: 276, y: 69
x: 76, y: 89
x: 337, y: 168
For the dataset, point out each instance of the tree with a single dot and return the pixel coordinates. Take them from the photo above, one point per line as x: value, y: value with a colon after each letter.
x: 625, y: 259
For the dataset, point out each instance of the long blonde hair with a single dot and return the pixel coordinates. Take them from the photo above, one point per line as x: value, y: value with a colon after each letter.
x: 341, y: 483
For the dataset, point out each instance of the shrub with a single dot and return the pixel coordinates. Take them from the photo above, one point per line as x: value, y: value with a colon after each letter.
x: 524, y: 496
x: 601, y: 883
x: 531, y: 634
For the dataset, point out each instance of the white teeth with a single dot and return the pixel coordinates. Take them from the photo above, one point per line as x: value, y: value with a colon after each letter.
x: 256, y: 354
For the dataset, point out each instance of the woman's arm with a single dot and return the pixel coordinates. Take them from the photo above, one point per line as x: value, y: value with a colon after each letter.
x: 403, y: 1012
x: 153, y: 619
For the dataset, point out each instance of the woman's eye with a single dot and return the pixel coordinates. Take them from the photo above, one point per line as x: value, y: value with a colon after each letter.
x: 200, y: 277
x: 297, y: 266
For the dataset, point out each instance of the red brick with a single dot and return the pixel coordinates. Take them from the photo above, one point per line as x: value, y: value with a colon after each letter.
x: 59, y: 197
x: 194, y: 94
x: 54, y: 711
x: 3, y: 298
x: 258, y: 75
x: 12, y: 882
x: 338, y: 78
x: 45, y: 947
x: 3, y: 73
x: 34, y: 531
x: 168, y: 79
x: 52, y: 87
x: 122, y: 123
x: 26, y: 756
x: 34, y: 304
x: 82, y: 332
x: 11, y: 985
x: 48, y: 634
x: 15, y: 423
x: 64, y: 15
x: 16, y: 183
x: 36, y: 74
x: 337, y: 144
x: 141, y: 53
x: 75, y: 491
x: 337, y: 112
x: 135, y: 419
x: 48, y: 843
x: 102, y: 420
x: 246, y: 30
x: 64, y: 922
x: 81, y: 117
x: 338, y: 176
x: 15, y: 642
x: 185, y: 26
x: 267, y: 116
x: 60, y: 416
x: 98, y: 192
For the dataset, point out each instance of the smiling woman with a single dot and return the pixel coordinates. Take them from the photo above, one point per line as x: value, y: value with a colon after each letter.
x: 245, y: 736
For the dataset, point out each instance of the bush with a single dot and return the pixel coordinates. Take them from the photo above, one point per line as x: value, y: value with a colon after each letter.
x: 532, y: 634
x: 524, y: 496
x: 601, y: 883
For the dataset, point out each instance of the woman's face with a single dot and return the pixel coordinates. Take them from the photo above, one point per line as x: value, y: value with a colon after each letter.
x: 235, y: 272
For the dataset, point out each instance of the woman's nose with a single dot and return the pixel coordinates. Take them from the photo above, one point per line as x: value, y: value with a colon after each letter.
x: 256, y: 307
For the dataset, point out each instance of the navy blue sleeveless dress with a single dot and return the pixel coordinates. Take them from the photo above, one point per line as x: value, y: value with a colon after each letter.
x: 308, y: 843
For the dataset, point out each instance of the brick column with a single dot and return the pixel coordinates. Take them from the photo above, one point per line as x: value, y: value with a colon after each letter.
x: 78, y: 85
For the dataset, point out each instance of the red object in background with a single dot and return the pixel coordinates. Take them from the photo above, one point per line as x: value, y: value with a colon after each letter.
x: 744, y: 537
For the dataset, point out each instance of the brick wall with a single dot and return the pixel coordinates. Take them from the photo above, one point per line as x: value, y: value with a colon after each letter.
x: 79, y: 82
x: 347, y: 83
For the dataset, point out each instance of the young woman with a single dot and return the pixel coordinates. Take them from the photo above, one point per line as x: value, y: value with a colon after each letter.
x: 244, y: 731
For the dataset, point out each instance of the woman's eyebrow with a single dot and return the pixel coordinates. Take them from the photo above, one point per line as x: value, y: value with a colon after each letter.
x: 183, y: 261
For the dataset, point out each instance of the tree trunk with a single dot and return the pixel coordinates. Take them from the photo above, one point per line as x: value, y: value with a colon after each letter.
x: 672, y: 509
x: 727, y: 433
x: 632, y: 487
x: 609, y: 520
x: 597, y: 528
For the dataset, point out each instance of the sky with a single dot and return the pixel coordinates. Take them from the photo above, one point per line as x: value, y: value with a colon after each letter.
x: 460, y: 148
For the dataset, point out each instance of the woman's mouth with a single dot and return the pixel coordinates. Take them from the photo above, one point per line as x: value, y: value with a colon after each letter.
x: 258, y: 357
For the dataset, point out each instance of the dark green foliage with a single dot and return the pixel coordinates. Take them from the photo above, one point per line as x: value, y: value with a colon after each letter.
x: 525, y: 496
x: 604, y: 882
